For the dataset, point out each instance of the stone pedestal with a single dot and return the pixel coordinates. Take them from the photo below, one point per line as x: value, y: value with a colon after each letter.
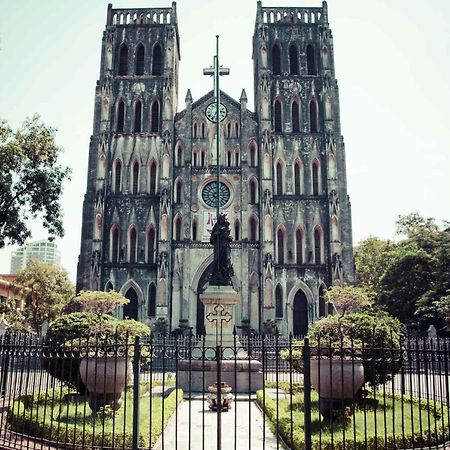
x: 237, y: 370
x: 220, y: 302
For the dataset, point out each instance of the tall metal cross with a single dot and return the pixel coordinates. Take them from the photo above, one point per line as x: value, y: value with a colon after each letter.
x: 217, y: 71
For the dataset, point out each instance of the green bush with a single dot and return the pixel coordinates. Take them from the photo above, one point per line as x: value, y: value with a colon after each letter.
x: 371, y: 334
x: 362, y: 433
x: 63, y: 363
x: 58, y: 417
x: 71, y: 334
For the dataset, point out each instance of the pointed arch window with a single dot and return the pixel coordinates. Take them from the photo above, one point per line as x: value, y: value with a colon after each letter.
x: 295, y: 116
x: 229, y: 158
x: 277, y: 117
x: 152, y: 178
x: 253, y: 156
x: 114, y: 250
x: 278, y: 302
x: 135, y: 178
x: 194, y: 230
x: 179, y: 155
x: 317, y: 245
x: 281, y: 242
x: 276, y: 59
x: 117, y: 176
x: 228, y: 130
x: 132, y: 245
x: 138, y: 116
x: 154, y: 121
x: 315, y: 177
x: 109, y: 287
x: 236, y: 129
x: 293, y: 59
x: 253, y: 229
x: 178, y: 228
x: 311, y: 59
x: 178, y: 191
x: 279, y: 173
x: 297, y: 179
x: 195, y: 130
x: 299, y: 246
x: 151, y: 235
x: 313, y: 116
x: 253, y: 192
x: 203, y: 130
x: 157, y: 60
x: 237, y: 230
x: 140, y: 58
x: 203, y: 158
x: 152, y: 300
x: 120, y: 116
x: 123, y: 60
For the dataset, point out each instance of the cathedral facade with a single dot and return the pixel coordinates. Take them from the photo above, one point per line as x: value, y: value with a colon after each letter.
x: 151, y: 192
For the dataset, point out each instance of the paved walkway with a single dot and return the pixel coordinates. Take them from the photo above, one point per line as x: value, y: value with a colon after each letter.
x: 242, y: 428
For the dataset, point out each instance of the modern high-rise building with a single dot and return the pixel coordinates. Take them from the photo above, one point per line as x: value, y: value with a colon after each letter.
x: 151, y: 193
x: 42, y: 250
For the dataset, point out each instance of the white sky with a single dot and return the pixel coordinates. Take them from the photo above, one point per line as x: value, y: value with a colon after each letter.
x: 392, y: 64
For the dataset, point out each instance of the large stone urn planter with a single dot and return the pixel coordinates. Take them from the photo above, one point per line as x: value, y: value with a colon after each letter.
x: 336, y: 381
x: 105, y: 378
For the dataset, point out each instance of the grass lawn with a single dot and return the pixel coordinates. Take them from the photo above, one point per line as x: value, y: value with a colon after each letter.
x: 57, y: 417
x: 389, y: 423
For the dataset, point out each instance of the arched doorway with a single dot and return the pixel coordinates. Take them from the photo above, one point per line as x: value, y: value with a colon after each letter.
x: 300, y: 314
x: 202, y: 284
x: 131, y: 310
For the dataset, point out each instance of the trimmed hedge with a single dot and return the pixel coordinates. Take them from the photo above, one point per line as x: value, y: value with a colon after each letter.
x: 432, y: 437
x: 47, y: 416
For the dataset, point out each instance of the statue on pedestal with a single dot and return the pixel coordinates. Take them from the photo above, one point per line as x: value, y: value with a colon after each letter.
x: 220, y: 238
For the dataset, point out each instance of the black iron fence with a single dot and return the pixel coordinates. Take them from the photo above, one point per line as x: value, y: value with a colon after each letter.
x: 252, y: 392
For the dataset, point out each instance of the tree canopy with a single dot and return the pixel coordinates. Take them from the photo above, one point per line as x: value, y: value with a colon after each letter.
x: 412, y: 276
x: 31, y: 180
x: 47, y: 290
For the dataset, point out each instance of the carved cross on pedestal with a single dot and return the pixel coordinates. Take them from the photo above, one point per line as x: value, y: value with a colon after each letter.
x: 219, y: 315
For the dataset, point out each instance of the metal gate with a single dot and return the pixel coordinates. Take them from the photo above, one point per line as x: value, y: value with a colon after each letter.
x: 278, y: 392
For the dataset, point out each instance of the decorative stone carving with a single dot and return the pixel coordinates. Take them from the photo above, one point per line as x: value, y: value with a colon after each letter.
x: 267, y: 201
x: 166, y: 142
x: 165, y: 199
x: 168, y: 82
x: 265, y: 83
x: 295, y: 87
x: 263, y: 32
x: 334, y: 202
x: 266, y: 141
x: 337, y: 267
x: 163, y: 264
x: 268, y: 266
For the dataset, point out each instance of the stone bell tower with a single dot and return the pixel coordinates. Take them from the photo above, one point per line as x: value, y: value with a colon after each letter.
x: 306, y: 240
x: 127, y: 208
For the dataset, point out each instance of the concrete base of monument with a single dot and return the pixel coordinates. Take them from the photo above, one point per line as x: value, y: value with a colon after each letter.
x: 243, y: 375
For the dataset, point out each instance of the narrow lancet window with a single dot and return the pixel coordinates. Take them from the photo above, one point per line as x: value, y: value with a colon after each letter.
x: 140, y: 57
x: 157, y: 60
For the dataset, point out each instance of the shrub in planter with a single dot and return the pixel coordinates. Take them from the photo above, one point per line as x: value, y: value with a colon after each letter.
x: 61, y: 361
x: 371, y: 334
x: 90, y: 326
